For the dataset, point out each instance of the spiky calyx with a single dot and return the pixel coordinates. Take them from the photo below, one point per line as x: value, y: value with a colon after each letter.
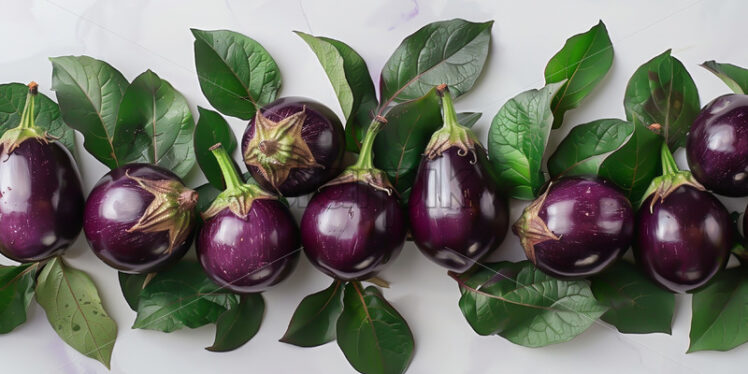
x: 670, y: 180
x: 27, y: 129
x: 452, y: 133
x: 531, y: 229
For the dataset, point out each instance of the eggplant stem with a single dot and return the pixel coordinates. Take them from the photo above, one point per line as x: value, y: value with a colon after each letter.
x: 669, y: 166
x: 230, y: 176
x: 365, y: 159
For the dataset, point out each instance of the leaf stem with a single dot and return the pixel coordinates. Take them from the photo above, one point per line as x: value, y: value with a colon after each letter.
x: 365, y: 158
x: 230, y: 176
x: 669, y: 166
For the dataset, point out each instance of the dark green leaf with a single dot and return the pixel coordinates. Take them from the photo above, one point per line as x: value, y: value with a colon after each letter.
x: 583, y: 62
x: 159, y: 120
x: 637, y: 306
x: 720, y: 315
x: 237, y: 75
x: 89, y: 92
x: 46, y: 114
x: 181, y: 296
x: 734, y: 77
x: 132, y: 285
x: 211, y: 129
x: 74, y: 309
x: 239, y: 324
x: 526, y: 306
x: 16, y: 292
x: 451, y: 52
x: 661, y: 91
x: 468, y: 119
x: 517, y: 139
x: 351, y: 81
x: 373, y: 336
x: 313, y: 322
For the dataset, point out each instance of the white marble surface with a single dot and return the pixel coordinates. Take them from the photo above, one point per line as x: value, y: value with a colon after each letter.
x: 138, y: 34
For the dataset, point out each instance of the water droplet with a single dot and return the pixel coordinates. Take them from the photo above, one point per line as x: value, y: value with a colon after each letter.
x: 94, y: 312
x: 76, y: 327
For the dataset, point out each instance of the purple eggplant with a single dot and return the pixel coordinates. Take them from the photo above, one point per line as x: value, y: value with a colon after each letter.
x: 293, y: 146
x: 140, y: 218
x: 249, y: 240
x: 684, y: 234
x: 578, y: 227
x: 717, y: 147
x: 457, y: 215
x: 355, y: 225
x: 41, y: 200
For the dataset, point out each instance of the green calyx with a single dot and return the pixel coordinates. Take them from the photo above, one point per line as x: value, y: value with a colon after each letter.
x: 27, y: 128
x: 672, y: 178
x: 238, y: 196
x: 452, y: 133
x: 531, y: 229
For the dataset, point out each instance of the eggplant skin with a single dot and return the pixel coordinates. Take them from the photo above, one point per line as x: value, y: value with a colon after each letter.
x: 717, y: 147
x: 41, y: 201
x: 456, y: 214
x: 250, y: 254
x: 350, y: 231
x: 685, y: 239
x: 116, y: 203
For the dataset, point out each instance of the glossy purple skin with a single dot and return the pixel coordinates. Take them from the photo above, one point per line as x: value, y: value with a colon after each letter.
x: 350, y: 231
x: 456, y: 214
x: 717, y: 147
x: 684, y: 240
x: 116, y: 204
x: 323, y: 134
x: 595, y: 224
x: 251, y: 254
x: 41, y: 201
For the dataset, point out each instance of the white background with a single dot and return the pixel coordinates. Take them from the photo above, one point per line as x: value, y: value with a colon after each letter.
x: 136, y: 35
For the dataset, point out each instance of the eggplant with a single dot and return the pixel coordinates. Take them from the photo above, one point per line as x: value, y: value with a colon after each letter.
x: 140, y: 218
x: 293, y: 146
x: 249, y: 240
x: 354, y: 226
x: 41, y: 199
x: 577, y: 228
x: 457, y: 214
x: 717, y: 146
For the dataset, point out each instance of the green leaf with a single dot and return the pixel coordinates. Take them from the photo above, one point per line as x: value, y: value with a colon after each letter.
x: 517, y: 139
x: 239, y: 324
x: 132, y: 285
x: 46, y: 114
x: 661, y: 91
x: 351, y: 81
x: 162, y: 121
x: 237, y: 75
x: 373, y: 336
x: 89, y: 92
x: 526, y: 306
x: 181, y: 296
x: 468, y: 119
x: 582, y: 62
x: 16, y: 292
x: 637, y: 306
x: 627, y: 154
x: 74, y: 309
x: 211, y: 129
x: 720, y: 315
x: 734, y: 77
x: 451, y: 52
x: 313, y: 322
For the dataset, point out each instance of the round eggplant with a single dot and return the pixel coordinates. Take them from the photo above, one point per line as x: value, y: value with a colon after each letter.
x: 293, y: 146
x: 140, y: 218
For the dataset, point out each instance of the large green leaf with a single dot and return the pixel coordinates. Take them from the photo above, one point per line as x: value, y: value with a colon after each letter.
x: 637, y: 306
x: 74, y: 309
x: 211, y: 129
x: 163, y: 123
x: 373, y: 336
x: 313, y: 322
x: 720, y: 312
x: 582, y: 62
x: 627, y: 154
x: 451, y: 52
x: 517, y: 139
x: 46, y: 114
x: 181, y: 296
x: 351, y: 81
x: 734, y: 77
x: 16, y: 292
x: 237, y: 75
x: 89, y: 92
x: 526, y: 306
x: 661, y: 91
x: 239, y: 324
